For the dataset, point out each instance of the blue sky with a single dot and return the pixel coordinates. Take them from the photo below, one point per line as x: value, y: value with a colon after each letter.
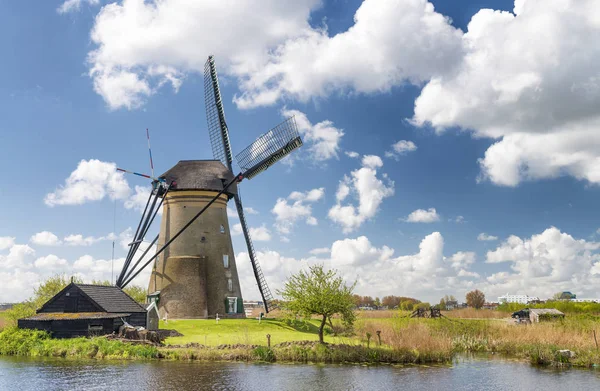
x: 500, y: 124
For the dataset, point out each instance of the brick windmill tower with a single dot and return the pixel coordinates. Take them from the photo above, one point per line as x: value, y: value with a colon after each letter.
x: 194, y: 272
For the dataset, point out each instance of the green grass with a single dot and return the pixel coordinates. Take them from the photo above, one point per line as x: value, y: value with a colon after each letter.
x: 3, y: 319
x: 243, y: 331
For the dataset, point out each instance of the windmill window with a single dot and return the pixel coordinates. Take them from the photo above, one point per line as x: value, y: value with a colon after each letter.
x: 222, y: 229
x: 230, y: 285
x: 226, y: 261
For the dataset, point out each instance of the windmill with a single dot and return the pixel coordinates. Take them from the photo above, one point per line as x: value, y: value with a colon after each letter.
x: 194, y: 273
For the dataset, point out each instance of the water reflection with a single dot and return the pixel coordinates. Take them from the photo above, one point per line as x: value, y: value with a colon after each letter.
x: 466, y: 374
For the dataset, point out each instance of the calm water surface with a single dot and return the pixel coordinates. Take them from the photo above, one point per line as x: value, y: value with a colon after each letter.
x: 466, y: 374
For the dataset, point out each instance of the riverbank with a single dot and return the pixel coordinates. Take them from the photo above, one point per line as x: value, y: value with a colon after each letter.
x: 403, y: 341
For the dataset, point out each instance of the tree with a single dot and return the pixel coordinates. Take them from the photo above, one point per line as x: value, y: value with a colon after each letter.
x: 319, y: 292
x: 442, y: 304
x: 377, y: 302
x: 475, y: 299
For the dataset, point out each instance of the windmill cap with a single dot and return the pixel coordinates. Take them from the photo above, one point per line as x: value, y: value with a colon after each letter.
x: 211, y: 175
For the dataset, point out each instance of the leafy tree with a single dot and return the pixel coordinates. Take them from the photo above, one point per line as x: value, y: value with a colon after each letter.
x: 319, y: 292
x: 475, y: 299
x: 421, y: 305
x: 390, y: 301
x: 442, y: 304
x: 377, y: 302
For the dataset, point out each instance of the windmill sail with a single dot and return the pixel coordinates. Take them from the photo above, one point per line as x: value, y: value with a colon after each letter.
x: 265, y: 292
x: 215, y: 115
x: 269, y: 148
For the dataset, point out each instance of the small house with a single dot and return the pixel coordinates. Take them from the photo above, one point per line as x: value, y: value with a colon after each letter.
x: 544, y: 314
x: 86, y: 310
x: 152, y: 317
x: 451, y: 305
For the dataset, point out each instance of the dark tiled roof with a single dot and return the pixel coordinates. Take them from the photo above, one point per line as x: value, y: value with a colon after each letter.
x: 111, y: 298
x: 75, y: 315
x: 200, y: 175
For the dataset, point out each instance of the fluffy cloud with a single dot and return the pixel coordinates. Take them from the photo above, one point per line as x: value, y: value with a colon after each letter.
x: 6, y: 242
x: 528, y: 80
x: 550, y: 261
x: 80, y: 240
x: 367, y: 188
x: 91, y: 181
x: 19, y: 256
x: 402, y: 147
x: 319, y: 251
x: 50, y: 262
x: 141, y: 46
x: 45, y: 238
x: 352, y: 154
x: 296, y: 207
x: 74, y: 5
x: 260, y: 234
x: 423, y: 216
x: 482, y: 237
x: 426, y: 274
x: 323, y: 138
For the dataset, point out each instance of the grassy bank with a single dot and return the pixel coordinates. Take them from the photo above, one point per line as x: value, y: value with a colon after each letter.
x: 403, y: 340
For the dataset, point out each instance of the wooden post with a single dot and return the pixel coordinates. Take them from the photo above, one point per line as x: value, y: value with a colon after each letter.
x: 379, y: 336
x: 269, y: 341
x: 595, y: 340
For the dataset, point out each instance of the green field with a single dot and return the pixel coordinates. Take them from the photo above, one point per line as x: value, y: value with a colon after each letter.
x: 3, y: 319
x: 243, y: 331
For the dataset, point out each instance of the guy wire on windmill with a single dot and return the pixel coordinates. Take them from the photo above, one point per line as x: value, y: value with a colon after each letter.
x: 194, y: 272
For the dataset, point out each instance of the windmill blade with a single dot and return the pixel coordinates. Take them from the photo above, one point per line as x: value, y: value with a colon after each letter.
x: 269, y: 148
x: 265, y: 292
x: 215, y: 115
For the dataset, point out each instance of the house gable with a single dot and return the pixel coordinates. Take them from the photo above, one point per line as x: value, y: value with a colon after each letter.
x: 70, y: 299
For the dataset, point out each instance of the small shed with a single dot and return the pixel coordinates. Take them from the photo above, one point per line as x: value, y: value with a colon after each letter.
x: 152, y: 317
x: 544, y: 314
x: 85, y: 310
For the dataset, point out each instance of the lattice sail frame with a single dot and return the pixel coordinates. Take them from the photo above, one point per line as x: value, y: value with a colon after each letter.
x: 215, y: 115
x: 269, y: 148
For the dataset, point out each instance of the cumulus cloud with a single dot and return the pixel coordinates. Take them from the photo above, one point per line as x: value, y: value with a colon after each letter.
x: 482, y: 237
x: 260, y: 234
x: 19, y: 256
x: 528, y: 80
x: 80, y: 240
x: 297, y: 206
x: 50, y: 262
x: 6, y: 242
x: 45, y: 238
x: 402, y: 147
x: 550, y: 261
x: 352, y: 154
x: 92, y: 180
x: 423, y: 216
x: 323, y: 138
x: 74, y: 5
x: 426, y: 274
x: 367, y: 188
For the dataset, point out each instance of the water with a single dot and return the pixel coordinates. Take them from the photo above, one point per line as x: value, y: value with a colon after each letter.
x: 465, y: 374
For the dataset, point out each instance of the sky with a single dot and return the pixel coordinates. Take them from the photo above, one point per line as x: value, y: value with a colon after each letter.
x: 448, y: 145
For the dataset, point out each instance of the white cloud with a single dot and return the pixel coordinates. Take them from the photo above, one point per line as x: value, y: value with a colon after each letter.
x: 91, y: 181
x: 250, y: 210
x: 51, y: 262
x: 19, y: 256
x: 352, y: 154
x: 141, y: 46
x: 370, y: 191
x: 549, y: 262
x: 296, y: 207
x: 402, y: 147
x: 137, y: 201
x: 260, y: 234
x: 6, y: 242
x: 232, y: 213
x: 482, y: 237
x: 319, y: 251
x: 462, y: 259
x: 458, y: 219
x: 45, y: 238
x: 528, y: 80
x: 80, y: 240
x: 323, y: 138
x: 236, y: 229
x: 423, y: 216
x: 74, y: 5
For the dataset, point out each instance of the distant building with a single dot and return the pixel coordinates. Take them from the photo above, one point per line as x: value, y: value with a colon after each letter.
x: 585, y: 300
x: 86, y: 310
x: 451, y: 305
x: 521, y: 299
x: 490, y: 306
x: 567, y: 296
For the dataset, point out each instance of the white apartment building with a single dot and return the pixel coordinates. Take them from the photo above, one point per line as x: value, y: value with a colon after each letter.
x: 585, y: 300
x: 521, y: 299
